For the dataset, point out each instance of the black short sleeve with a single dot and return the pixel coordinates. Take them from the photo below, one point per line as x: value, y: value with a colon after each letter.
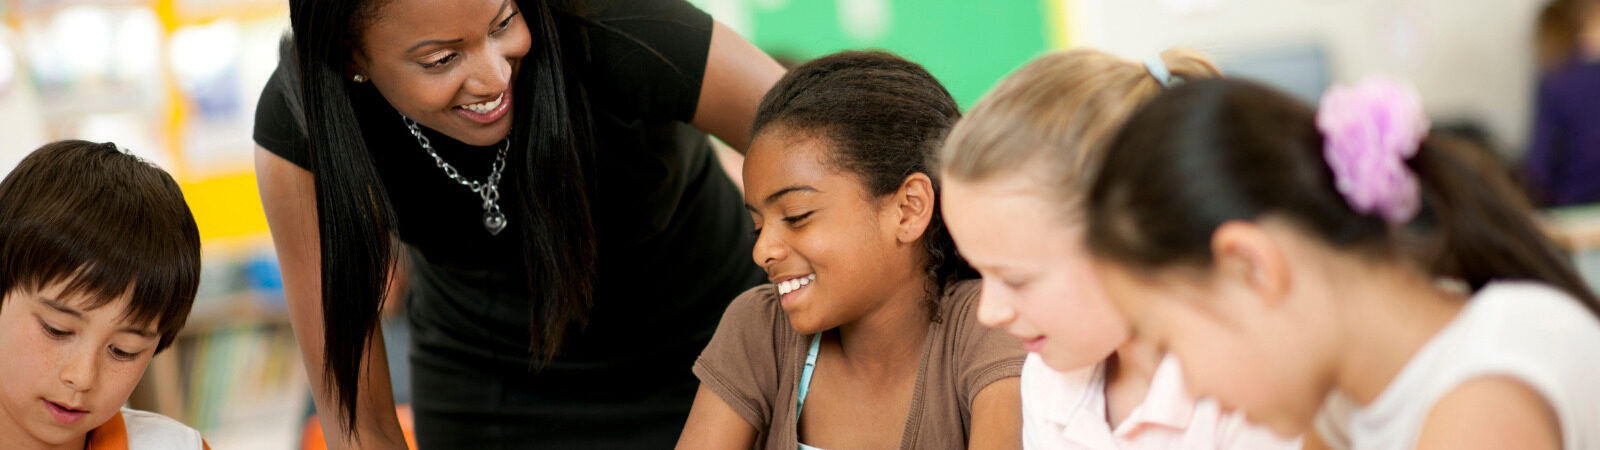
x: 648, y: 58
x: 280, y: 126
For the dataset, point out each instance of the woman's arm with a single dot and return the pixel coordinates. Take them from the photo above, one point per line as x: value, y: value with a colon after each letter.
x: 714, y: 425
x: 737, y: 75
x: 997, y: 416
x: 1490, y: 413
x: 289, y: 196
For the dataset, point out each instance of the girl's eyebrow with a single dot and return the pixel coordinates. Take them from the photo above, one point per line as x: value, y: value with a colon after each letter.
x: 785, y: 191
x: 782, y: 192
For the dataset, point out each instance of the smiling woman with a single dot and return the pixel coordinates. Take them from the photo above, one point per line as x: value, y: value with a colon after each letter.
x: 537, y: 162
x: 454, y: 76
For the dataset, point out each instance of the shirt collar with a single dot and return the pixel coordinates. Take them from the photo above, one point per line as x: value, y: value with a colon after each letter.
x: 112, y: 435
x: 1083, y: 417
x: 1166, y: 405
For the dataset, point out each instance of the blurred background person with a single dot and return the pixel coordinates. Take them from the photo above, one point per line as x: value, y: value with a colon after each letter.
x: 1565, y: 150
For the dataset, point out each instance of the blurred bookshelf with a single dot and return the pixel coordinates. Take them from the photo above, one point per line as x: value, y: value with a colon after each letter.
x: 175, y: 82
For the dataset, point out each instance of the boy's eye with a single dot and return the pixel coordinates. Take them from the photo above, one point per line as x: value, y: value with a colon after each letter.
x: 53, y: 332
x: 122, y: 355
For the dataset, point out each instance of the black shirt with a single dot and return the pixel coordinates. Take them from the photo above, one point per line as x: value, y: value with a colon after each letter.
x: 674, y: 243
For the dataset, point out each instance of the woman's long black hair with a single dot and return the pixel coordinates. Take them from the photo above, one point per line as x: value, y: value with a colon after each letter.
x: 355, y: 219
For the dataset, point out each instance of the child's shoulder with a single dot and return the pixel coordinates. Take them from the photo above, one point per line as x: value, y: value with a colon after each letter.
x: 1512, y: 339
x: 960, y: 298
x: 133, y: 429
x: 1525, y: 330
x: 1519, y: 316
x: 755, y: 315
x: 757, y: 302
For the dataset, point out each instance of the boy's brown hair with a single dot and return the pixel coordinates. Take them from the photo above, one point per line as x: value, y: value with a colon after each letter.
x: 107, y: 223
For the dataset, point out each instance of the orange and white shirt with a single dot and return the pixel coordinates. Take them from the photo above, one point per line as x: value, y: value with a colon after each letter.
x: 141, y: 430
x: 1068, y: 411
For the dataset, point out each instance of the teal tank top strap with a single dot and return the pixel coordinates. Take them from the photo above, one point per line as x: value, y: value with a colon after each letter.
x: 805, y: 374
x: 805, y: 381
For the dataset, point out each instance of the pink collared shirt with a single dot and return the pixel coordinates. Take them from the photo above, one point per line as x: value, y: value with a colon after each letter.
x: 1068, y: 411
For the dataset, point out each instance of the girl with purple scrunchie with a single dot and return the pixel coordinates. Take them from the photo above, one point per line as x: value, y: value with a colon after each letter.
x: 1294, y: 258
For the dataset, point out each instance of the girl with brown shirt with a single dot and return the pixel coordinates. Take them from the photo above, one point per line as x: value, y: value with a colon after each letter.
x: 867, y: 336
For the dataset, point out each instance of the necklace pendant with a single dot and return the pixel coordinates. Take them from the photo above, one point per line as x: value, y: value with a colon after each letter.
x: 494, y: 221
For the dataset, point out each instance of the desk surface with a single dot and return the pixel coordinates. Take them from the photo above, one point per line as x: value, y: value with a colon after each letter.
x: 1575, y: 228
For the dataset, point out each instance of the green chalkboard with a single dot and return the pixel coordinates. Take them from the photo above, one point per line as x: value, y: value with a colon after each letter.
x: 968, y: 44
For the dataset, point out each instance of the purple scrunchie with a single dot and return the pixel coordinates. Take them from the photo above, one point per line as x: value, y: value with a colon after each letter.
x: 1369, y: 132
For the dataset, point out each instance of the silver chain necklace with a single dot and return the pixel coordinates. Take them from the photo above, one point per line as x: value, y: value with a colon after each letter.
x: 488, y: 189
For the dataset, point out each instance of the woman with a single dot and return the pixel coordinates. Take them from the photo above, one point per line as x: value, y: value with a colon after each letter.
x: 572, y: 241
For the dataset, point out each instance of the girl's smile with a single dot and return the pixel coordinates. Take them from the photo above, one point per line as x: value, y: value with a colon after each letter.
x: 790, y: 287
x: 815, y: 223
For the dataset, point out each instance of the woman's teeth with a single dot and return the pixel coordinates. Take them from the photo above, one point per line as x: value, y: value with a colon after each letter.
x: 485, y: 107
x: 794, y: 284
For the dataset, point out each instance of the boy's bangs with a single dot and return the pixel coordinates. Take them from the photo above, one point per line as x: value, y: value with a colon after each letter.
x: 152, y: 280
x: 106, y: 223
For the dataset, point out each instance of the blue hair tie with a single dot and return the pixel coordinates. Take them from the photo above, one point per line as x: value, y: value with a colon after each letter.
x: 1158, y: 70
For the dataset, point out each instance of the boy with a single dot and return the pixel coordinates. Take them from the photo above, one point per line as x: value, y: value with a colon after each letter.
x: 99, y: 262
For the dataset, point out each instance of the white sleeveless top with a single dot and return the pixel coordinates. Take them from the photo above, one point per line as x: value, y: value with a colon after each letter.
x: 148, y: 430
x: 133, y: 429
x: 1529, y: 332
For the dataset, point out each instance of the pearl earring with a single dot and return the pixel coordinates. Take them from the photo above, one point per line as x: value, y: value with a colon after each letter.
x: 359, y: 78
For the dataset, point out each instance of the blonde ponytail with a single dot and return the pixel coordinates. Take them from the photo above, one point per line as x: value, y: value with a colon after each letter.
x: 1054, y: 116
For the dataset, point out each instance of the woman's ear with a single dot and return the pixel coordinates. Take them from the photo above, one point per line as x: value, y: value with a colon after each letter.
x: 914, y: 207
x: 356, y: 66
x: 1244, y: 253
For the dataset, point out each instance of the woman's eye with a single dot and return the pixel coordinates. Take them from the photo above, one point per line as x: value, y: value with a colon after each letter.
x: 756, y: 232
x: 504, y: 24
x: 439, y: 62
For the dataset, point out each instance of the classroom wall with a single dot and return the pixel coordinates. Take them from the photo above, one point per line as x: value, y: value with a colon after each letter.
x: 967, y: 44
x: 21, y: 128
x: 1470, y: 58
